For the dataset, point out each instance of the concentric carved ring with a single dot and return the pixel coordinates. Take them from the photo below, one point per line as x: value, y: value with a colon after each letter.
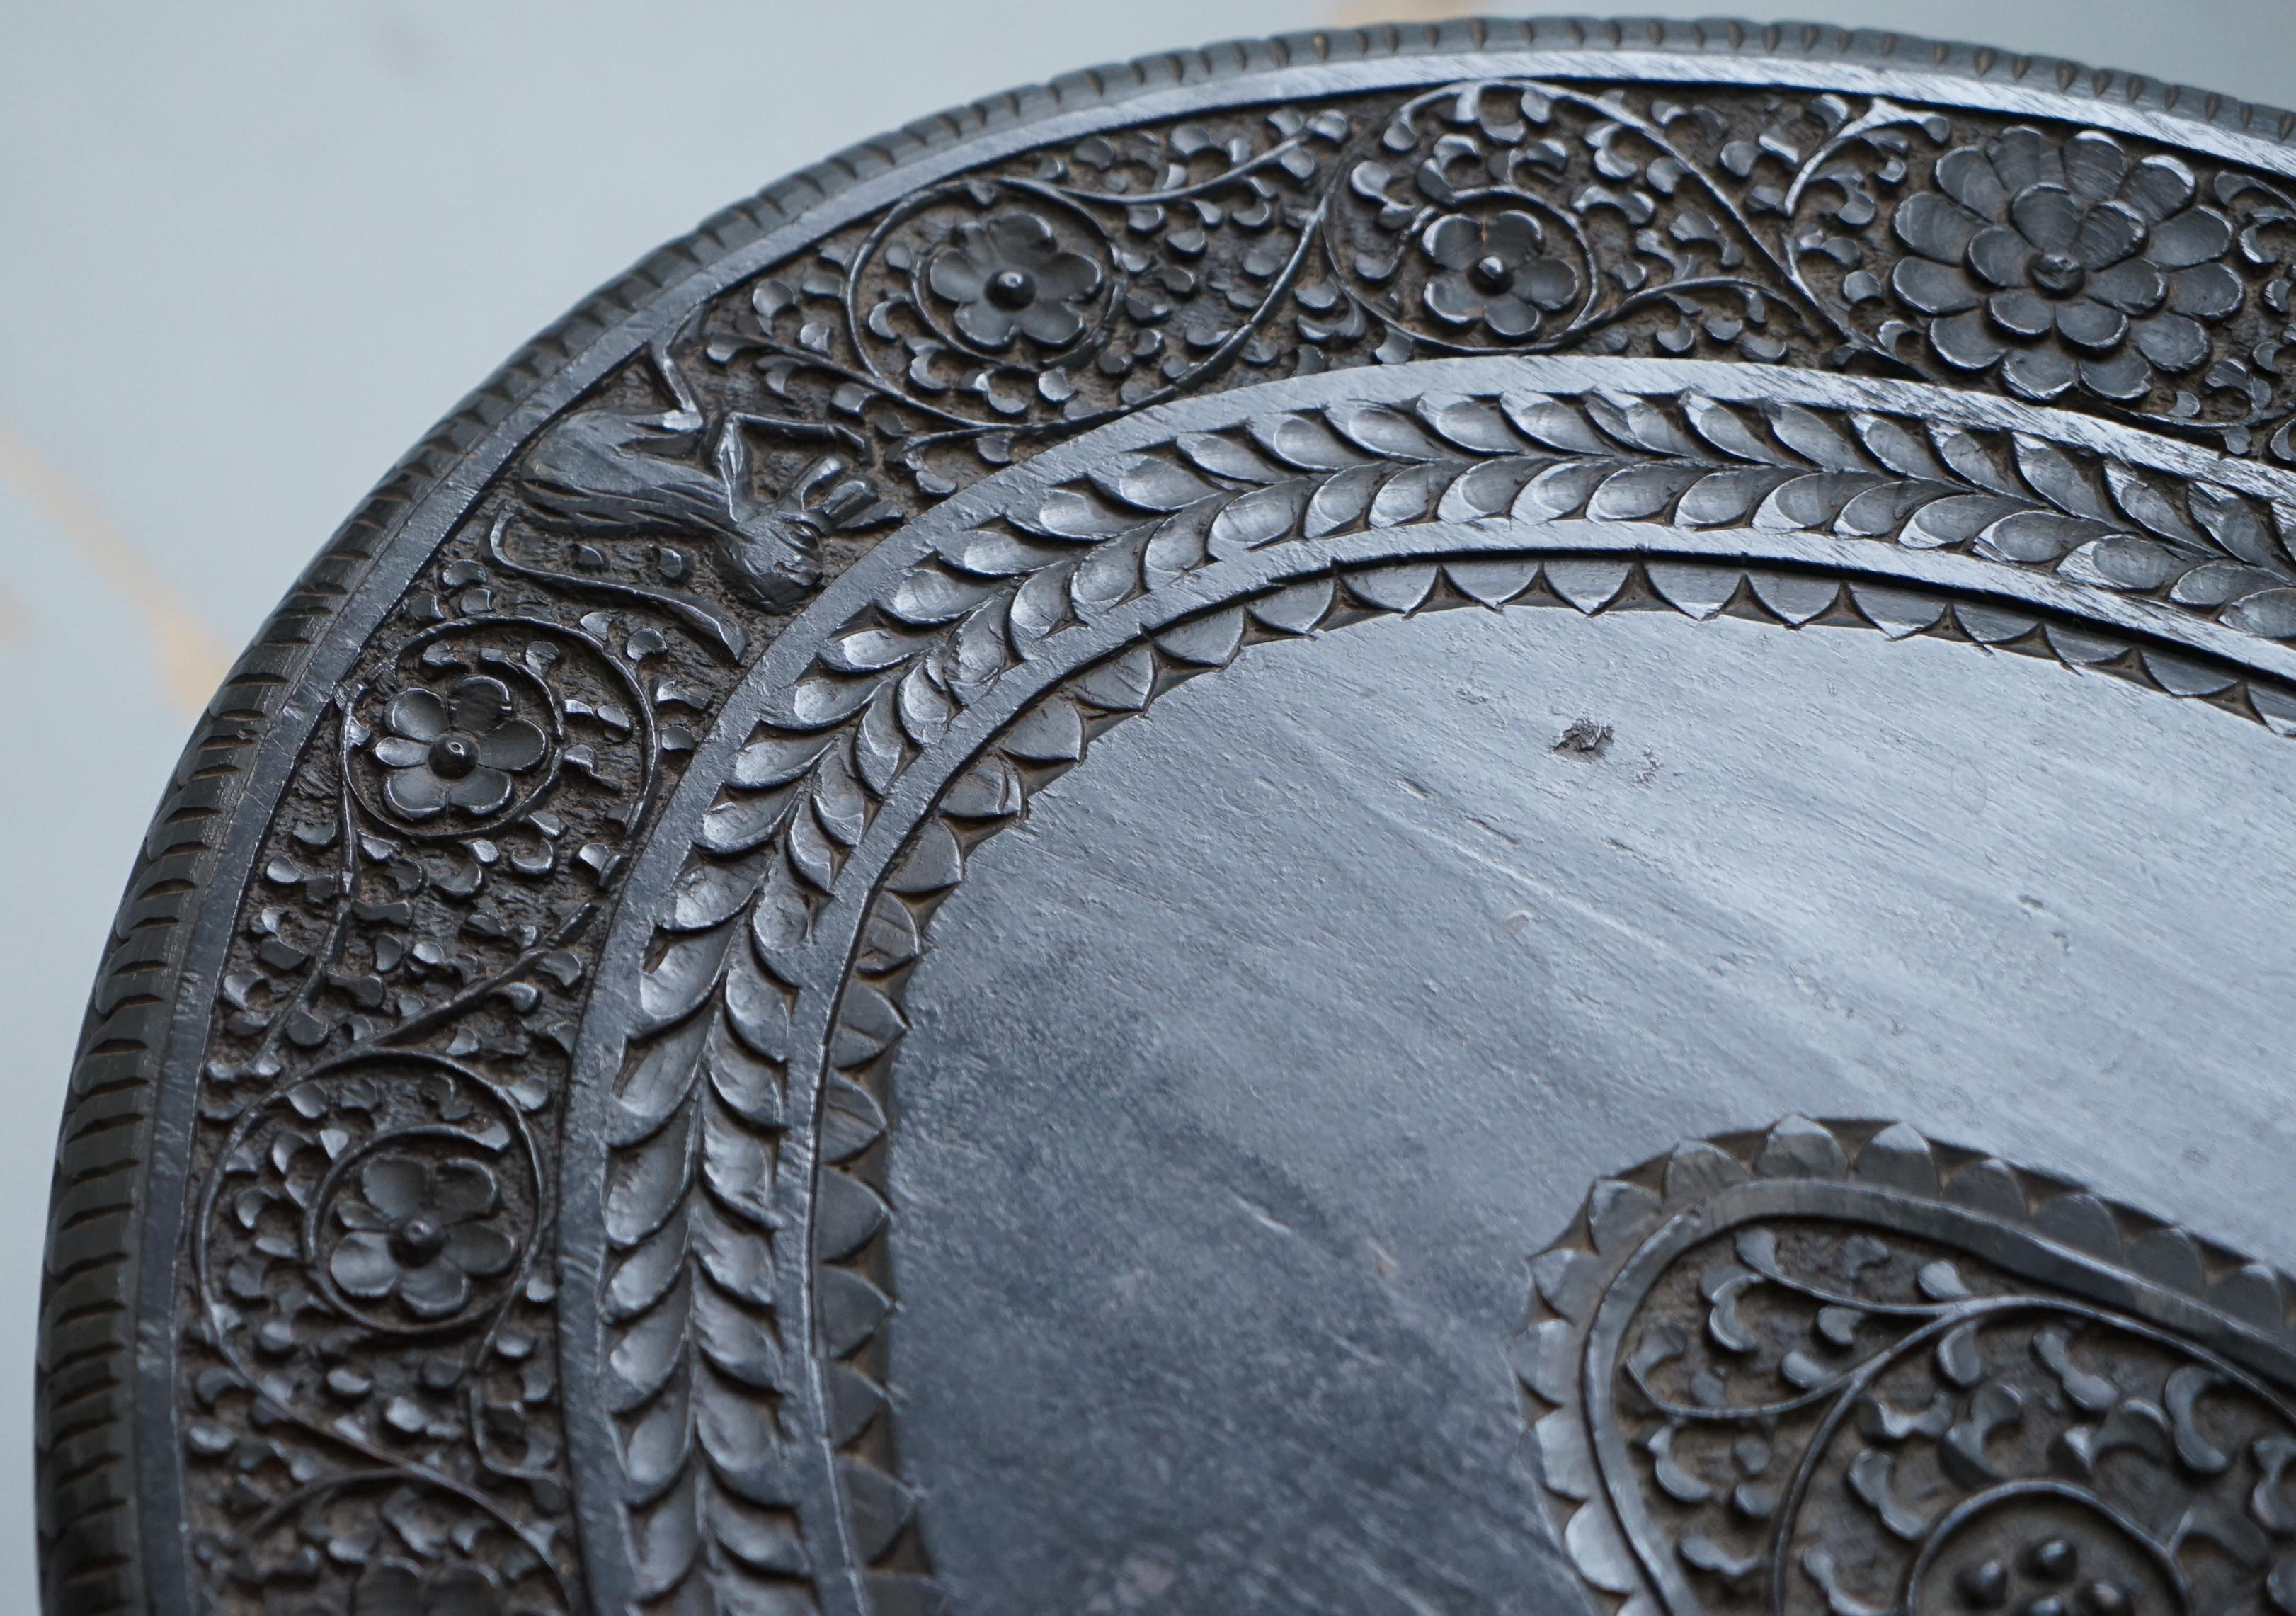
x: 473, y: 1192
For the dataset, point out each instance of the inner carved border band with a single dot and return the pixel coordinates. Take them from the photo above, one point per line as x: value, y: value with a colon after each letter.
x: 551, y: 814
x: 943, y: 691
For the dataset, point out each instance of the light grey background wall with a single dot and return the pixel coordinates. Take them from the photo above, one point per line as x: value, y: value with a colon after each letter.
x: 250, y: 252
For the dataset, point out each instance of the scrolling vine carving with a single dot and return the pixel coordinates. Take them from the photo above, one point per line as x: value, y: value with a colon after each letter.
x: 855, y: 1277
x: 705, y: 1078
x: 1837, y: 1368
x: 1001, y: 311
x: 369, y: 1348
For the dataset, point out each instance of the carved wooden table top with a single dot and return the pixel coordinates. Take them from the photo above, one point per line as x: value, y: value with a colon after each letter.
x: 1460, y: 819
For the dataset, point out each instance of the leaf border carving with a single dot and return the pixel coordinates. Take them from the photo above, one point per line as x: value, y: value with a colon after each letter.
x: 111, y: 1519
x: 988, y: 646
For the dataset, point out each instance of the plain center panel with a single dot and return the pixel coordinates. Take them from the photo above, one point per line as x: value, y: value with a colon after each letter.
x: 1248, y: 1072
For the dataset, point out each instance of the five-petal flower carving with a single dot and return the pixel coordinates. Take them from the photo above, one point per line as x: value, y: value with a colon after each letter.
x: 2065, y: 264
x: 421, y: 1232
x: 1495, y: 271
x: 1009, y: 273
x: 457, y: 751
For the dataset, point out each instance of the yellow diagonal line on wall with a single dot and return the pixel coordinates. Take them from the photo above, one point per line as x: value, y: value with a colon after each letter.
x: 1366, y: 14
x: 187, y: 657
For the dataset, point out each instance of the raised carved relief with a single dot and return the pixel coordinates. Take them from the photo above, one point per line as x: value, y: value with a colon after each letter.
x: 711, y: 1058
x: 1835, y: 1368
x: 608, y: 477
x: 982, y: 317
x: 709, y: 1068
x: 368, y: 1350
x: 855, y: 1279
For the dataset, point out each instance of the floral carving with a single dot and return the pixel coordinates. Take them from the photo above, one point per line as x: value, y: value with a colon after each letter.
x: 419, y: 1233
x: 2065, y: 264
x: 978, y: 320
x: 977, y: 316
x: 398, y: 1198
x: 1008, y: 272
x: 373, y: 1545
x: 428, y: 898
x: 1496, y: 271
x: 1833, y: 1370
x: 459, y: 750
x: 375, y: 1199
x: 993, y: 596
x: 455, y: 750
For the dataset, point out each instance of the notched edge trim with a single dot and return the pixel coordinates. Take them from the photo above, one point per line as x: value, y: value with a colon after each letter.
x: 91, y: 1542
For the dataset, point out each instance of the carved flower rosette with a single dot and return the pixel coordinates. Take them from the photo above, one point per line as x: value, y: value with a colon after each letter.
x: 1841, y: 1371
x: 371, y: 1264
x: 1832, y: 1369
x: 371, y: 1251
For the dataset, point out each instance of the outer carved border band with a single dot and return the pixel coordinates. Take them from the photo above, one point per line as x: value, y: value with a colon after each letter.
x: 576, y: 620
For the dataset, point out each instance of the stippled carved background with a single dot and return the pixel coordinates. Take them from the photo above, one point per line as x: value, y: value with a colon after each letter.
x: 365, y: 1388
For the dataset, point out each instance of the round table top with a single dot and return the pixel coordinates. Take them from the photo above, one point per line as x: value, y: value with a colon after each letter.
x: 1469, y: 819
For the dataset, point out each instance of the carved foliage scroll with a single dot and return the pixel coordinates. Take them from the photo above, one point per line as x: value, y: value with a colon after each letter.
x: 1839, y: 1369
x: 369, y: 1341
x: 982, y: 318
x: 995, y: 600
